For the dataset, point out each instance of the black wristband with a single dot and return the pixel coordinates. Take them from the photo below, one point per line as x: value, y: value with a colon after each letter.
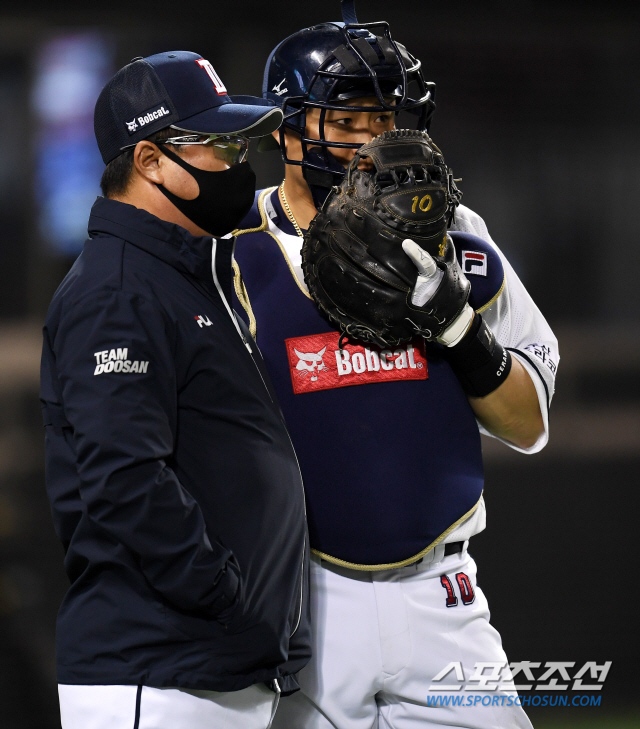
x: 478, y: 361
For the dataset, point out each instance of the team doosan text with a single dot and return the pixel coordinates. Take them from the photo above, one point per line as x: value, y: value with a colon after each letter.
x: 116, y: 360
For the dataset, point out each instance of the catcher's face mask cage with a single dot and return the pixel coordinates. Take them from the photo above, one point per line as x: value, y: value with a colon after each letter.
x: 325, y: 66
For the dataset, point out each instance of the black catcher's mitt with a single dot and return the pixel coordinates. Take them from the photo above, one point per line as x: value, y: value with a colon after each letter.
x: 353, y: 259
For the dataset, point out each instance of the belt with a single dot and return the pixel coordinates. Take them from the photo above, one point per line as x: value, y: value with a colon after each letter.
x: 450, y: 548
x: 453, y: 548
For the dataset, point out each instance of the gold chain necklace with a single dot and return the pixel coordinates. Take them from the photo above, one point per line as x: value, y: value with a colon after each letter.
x: 287, y: 210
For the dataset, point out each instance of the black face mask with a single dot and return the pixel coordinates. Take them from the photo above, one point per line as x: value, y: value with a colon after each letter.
x: 224, y: 199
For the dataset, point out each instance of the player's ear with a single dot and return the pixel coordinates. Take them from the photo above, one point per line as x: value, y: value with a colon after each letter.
x: 148, y: 162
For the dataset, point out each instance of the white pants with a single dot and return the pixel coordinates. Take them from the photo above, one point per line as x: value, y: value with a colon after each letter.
x: 380, y: 638
x: 133, y: 707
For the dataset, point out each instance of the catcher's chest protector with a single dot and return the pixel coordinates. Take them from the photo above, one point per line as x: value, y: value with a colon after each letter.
x: 387, y: 442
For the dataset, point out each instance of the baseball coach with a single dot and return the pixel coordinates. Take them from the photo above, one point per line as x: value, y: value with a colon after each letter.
x: 173, y: 483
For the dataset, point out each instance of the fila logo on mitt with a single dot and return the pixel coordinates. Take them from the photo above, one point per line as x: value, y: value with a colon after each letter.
x: 317, y: 363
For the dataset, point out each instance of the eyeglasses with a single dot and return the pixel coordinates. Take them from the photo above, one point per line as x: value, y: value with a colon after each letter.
x: 230, y: 148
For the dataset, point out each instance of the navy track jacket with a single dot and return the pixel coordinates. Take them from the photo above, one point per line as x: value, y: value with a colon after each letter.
x: 173, y: 483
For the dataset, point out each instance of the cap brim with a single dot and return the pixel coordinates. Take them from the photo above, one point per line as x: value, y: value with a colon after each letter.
x: 247, y: 119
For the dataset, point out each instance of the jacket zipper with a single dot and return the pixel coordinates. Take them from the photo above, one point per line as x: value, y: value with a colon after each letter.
x: 248, y: 346
x: 222, y: 296
x: 300, y: 599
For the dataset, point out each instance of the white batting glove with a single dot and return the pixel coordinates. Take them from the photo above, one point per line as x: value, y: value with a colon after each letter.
x: 429, y: 277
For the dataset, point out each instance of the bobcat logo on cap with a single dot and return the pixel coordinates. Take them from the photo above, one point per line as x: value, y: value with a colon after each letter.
x: 132, y: 126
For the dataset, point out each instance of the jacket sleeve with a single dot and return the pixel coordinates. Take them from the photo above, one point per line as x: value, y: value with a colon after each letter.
x: 114, y: 361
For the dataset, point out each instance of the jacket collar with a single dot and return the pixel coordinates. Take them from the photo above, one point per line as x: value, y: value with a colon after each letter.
x: 166, y: 241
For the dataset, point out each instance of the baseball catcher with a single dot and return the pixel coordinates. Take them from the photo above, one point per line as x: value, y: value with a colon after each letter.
x: 386, y: 429
x: 377, y: 258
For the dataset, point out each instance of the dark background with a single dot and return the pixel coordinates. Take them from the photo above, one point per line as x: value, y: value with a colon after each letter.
x: 538, y: 113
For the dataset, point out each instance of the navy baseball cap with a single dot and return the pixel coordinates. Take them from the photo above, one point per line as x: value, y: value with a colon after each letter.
x: 178, y: 89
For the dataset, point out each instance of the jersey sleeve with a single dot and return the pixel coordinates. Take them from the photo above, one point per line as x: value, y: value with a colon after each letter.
x: 113, y: 359
x: 520, y: 327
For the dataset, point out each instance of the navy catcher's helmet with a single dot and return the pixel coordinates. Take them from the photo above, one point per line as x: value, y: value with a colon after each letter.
x: 326, y: 65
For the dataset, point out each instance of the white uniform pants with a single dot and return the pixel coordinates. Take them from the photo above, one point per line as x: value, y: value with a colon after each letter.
x: 143, y: 707
x: 380, y: 638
